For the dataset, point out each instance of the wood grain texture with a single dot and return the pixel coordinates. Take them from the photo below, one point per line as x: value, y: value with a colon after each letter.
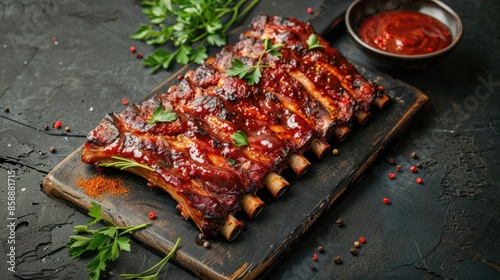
x: 279, y: 228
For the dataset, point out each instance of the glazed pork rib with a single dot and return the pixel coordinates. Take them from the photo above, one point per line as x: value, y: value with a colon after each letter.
x: 304, y: 97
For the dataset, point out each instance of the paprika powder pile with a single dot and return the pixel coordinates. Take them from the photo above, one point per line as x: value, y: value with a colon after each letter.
x: 99, y: 185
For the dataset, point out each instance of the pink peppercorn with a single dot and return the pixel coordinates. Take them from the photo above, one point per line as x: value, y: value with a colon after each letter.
x: 58, y: 124
x: 315, y: 257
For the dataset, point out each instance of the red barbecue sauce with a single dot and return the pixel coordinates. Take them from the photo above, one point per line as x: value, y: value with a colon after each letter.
x: 404, y: 32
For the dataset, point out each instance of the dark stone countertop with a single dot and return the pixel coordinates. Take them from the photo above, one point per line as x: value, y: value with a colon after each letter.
x: 446, y: 228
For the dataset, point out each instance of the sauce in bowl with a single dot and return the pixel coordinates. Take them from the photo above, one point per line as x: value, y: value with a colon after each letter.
x: 404, y: 32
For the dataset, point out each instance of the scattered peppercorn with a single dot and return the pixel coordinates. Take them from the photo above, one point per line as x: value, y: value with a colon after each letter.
x: 413, y: 169
x: 52, y: 149
x: 419, y: 180
x: 6, y: 109
x: 124, y: 101
x: 340, y: 222
x: 354, y: 252
x: 315, y: 257
x: 138, y: 55
x: 46, y: 127
x: 386, y: 201
x: 180, y: 77
x: 420, y: 165
x: 67, y: 129
x: 392, y: 176
x: 362, y: 240
x: 357, y: 244
x: 390, y: 161
x: 309, y: 10
x: 313, y: 267
x: 413, y: 155
x: 57, y: 124
x: 321, y: 249
x: 54, y: 39
x: 132, y: 49
x: 337, y: 260
x: 398, y: 168
x: 335, y: 152
x: 206, y: 244
x: 380, y: 88
x: 152, y: 215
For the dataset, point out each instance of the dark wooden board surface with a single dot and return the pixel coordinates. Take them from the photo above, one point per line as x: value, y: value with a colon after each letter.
x: 278, y: 229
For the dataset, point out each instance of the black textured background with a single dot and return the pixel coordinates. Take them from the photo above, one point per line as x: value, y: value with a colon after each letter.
x: 448, y: 227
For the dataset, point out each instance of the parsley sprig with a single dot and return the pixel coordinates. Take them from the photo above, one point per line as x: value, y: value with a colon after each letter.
x: 189, y: 26
x: 313, y: 42
x: 162, y: 115
x: 107, y: 241
x: 252, y: 73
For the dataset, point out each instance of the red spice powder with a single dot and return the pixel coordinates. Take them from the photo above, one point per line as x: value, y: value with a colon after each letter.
x: 99, y: 185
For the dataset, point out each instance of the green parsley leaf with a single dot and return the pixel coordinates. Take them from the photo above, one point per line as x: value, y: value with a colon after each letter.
x: 239, y: 69
x: 98, y: 240
x: 95, y: 266
x: 114, y: 251
x: 109, y: 231
x: 183, y: 54
x: 162, y: 115
x: 214, y: 25
x: 78, y: 241
x: 218, y: 40
x: 143, y: 32
x: 240, y: 138
x: 271, y: 48
x: 123, y: 243
x: 198, y: 55
x: 313, y: 42
x: 159, y: 58
x: 95, y: 212
x: 254, y: 76
x: 231, y: 161
x: 75, y: 252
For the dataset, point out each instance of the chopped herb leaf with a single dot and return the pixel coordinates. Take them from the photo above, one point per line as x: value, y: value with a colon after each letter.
x: 240, y: 138
x: 162, y: 115
x: 313, y: 42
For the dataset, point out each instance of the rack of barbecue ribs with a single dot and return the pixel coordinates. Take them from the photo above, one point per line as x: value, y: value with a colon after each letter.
x: 213, y: 139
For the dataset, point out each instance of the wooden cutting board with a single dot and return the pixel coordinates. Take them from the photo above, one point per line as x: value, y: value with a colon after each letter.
x: 278, y: 230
